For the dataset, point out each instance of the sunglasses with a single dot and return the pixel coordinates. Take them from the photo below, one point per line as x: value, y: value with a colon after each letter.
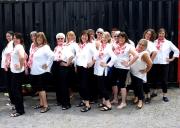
x: 60, y: 38
x: 99, y: 32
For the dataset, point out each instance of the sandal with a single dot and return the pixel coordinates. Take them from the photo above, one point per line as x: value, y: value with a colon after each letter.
x: 80, y: 104
x: 100, y: 105
x: 16, y: 114
x: 106, y: 108
x: 44, y: 109
x: 114, y: 102
x: 85, y: 109
x: 66, y: 107
x: 37, y: 106
x: 139, y: 106
x: 121, y: 106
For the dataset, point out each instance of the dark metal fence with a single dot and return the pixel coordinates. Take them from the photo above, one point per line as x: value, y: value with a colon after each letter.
x: 53, y: 16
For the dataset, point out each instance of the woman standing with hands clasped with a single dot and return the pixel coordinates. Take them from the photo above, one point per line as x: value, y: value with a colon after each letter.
x: 63, y: 59
x: 139, y: 71
x: 42, y: 60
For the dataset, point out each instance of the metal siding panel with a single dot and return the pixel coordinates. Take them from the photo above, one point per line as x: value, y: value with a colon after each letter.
x: 140, y: 21
x: 28, y: 20
x: 8, y: 17
x: 150, y: 14
x: 49, y: 22
x: 159, y: 15
x: 39, y: 23
x: 59, y: 17
x: 18, y: 13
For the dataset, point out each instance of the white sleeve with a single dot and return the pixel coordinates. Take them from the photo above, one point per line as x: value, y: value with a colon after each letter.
x: 50, y: 55
x: 113, y: 57
x: 174, y: 49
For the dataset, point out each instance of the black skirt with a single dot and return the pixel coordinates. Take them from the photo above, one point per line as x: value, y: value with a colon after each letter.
x: 40, y: 82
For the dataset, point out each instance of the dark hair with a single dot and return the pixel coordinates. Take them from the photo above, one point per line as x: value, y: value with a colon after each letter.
x: 84, y: 32
x: 162, y: 30
x: 91, y: 31
x: 19, y: 36
x: 114, y: 29
x: 10, y: 32
x: 123, y: 34
x: 153, y: 34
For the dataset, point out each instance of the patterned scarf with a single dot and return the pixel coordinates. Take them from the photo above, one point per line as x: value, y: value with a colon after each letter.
x: 159, y: 43
x: 33, y: 50
x: 119, y: 49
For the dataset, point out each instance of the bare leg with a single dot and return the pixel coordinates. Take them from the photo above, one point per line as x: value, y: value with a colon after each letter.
x: 123, y: 103
x: 115, y: 95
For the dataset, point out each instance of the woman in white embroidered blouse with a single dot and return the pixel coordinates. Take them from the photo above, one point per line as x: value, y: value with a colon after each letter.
x: 17, y: 69
x: 5, y: 63
x: 162, y: 60
x: 122, y: 50
x: 150, y: 36
x: 101, y: 70
x: 40, y: 70
x: 84, y: 61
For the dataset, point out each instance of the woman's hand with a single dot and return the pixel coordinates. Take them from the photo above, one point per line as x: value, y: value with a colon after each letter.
x: 18, y: 67
x: 44, y: 66
x: 103, y: 64
x: 125, y: 63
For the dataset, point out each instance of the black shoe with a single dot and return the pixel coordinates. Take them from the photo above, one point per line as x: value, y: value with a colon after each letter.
x: 80, y: 104
x: 165, y: 99
x: 85, y: 109
x: 147, y: 100
x: 153, y: 95
x: 66, y: 107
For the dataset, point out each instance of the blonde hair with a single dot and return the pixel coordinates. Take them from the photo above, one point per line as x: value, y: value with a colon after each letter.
x: 70, y: 33
x: 107, y: 35
x: 144, y: 41
x: 42, y: 35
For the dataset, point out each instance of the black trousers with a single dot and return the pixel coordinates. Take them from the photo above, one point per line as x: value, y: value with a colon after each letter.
x: 84, y: 84
x: 62, y: 92
x: 137, y: 84
x: 7, y: 83
x: 160, y: 76
x: 102, y: 87
x: 16, y: 87
x: 93, y: 85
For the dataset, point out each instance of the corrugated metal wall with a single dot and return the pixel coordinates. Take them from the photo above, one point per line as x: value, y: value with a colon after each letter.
x: 53, y: 16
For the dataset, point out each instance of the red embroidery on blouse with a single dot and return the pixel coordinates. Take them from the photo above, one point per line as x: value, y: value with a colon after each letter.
x: 159, y: 44
x: 119, y: 49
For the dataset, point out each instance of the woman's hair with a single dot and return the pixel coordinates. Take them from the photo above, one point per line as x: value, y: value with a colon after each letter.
x: 123, y: 34
x: 20, y: 37
x: 144, y: 41
x: 162, y: 30
x: 10, y: 32
x: 153, y: 34
x: 42, y: 35
x: 33, y: 33
x: 84, y: 32
x: 70, y: 33
x: 107, y: 35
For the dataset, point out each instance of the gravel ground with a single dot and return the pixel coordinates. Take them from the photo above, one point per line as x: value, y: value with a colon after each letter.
x: 155, y: 115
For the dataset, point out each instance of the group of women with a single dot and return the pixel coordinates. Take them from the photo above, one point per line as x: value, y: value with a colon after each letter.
x: 108, y: 59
